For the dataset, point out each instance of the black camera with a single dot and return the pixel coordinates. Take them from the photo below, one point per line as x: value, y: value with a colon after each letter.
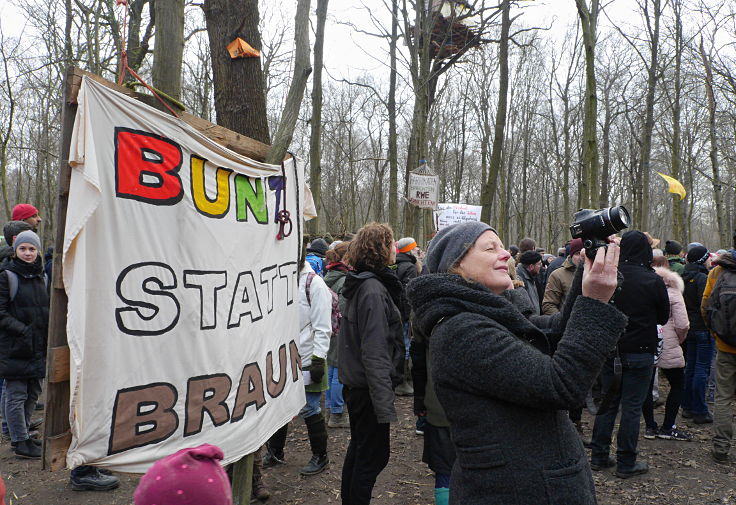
x: 595, y: 226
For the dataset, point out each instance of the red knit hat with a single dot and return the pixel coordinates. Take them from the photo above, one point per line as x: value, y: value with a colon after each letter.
x: 23, y: 211
x: 191, y: 476
x: 2, y: 492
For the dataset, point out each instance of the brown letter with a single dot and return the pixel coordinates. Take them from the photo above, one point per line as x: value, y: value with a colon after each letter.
x: 296, y: 361
x: 250, y: 391
x: 143, y: 415
x: 206, y: 393
x: 275, y: 388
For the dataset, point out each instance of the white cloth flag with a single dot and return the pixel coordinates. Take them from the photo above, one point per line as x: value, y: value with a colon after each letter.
x: 182, y: 319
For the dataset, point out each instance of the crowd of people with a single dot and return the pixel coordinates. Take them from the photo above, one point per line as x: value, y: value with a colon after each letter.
x: 501, y: 349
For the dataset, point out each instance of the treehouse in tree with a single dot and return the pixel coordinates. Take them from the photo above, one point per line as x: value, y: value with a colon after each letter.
x: 453, y: 28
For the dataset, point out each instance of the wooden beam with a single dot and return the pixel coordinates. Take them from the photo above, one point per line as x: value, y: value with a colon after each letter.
x: 56, y: 447
x: 58, y: 369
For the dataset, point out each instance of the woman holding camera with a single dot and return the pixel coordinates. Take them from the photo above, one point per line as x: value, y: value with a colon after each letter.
x: 504, y: 390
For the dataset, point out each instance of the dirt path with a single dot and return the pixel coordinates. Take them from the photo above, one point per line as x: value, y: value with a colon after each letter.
x: 681, y: 473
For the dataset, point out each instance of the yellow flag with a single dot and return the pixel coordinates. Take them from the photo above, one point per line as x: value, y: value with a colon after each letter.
x: 676, y: 186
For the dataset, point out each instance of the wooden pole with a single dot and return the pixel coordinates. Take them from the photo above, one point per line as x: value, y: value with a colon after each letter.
x: 57, y: 436
x: 243, y: 480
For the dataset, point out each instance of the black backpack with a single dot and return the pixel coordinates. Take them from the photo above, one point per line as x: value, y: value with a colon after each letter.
x: 720, y: 310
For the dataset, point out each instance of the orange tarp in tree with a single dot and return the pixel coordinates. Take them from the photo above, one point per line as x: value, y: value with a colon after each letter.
x: 239, y: 48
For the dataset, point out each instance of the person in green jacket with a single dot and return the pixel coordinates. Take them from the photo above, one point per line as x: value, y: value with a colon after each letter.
x: 673, y: 252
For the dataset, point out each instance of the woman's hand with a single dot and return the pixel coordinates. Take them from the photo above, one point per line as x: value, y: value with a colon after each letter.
x: 600, y: 275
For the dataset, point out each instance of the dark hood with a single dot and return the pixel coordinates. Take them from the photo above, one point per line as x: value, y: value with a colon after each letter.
x: 692, y: 270
x: 387, y: 277
x: 635, y: 249
x: 405, y: 257
x: 319, y: 247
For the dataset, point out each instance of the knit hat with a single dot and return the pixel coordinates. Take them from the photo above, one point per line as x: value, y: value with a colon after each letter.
x: 693, y: 244
x: 672, y: 247
x: 13, y: 228
x: 2, y: 492
x: 23, y: 211
x: 318, y: 246
x: 698, y: 254
x: 530, y: 258
x: 188, y: 477
x: 576, y: 245
x: 451, y: 243
x: 334, y: 244
x: 406, y: 244
x: 27, y: 237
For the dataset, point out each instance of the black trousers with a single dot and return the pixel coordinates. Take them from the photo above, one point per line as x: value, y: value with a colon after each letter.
x: 368, y: 451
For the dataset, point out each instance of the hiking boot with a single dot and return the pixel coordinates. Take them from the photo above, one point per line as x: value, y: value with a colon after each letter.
x: 273, y: 458
x: 720, y: 457
x: 260, y: 492
x: 597, y: 466
x: 702, y: 418
x: 36, y: 441
x: 686, y: 414
x: 316, y: 465
x: 94, y: 480
x: 650, y: 433
x: 639, y: 468
x: 675, y: 434
x: 339, y: 421
x: 35, y: 424
x: 420, y: 425
x: 27, y: 449
x: 404, y: 389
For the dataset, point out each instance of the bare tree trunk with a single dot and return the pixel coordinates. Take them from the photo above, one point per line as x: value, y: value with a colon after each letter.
x: 589, y: 174
x: 315, y: 140
x: 489, y: 189
x: 168, y: 51
x: 302, y: 69
x: 240, y: 101
x: 713, y: 154
x: 678, y: 226
x: 393, y: 152
x: 646, y: 141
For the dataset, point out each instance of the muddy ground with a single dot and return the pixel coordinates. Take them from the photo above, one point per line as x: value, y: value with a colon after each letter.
x: 682, y: 473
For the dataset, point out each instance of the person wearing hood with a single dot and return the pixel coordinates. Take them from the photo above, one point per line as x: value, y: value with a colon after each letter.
x: 725, y: 366
x: 316, y: 255
x: 670, y: 360
x: 406, y: 269
x: 643, y: 299
x: 502, y: 388
x: 673, y: 253
x: 699, y: 346
x: 371, y: 357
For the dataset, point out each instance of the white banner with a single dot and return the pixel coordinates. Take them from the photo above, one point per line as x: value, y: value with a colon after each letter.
x: 182, y: 318
x: 452, y: 213
x: 423, y: 190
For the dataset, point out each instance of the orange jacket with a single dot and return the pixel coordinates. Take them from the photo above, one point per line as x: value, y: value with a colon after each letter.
x: 712, y: 278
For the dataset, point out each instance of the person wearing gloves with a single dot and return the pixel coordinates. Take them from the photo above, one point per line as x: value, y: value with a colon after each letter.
x: 371, y: 357
x: 315, y: 313
x: 504, y: 390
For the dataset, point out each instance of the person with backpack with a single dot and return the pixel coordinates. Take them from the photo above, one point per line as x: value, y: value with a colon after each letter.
x: 699, y: 346
x: 335, y: 280
x: 719, y: 314
x: 315, y: 319
x: 24, y: 319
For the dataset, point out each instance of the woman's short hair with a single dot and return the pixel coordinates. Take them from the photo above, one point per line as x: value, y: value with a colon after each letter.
x: 371, y: 247
x: 336, y: 253
x: 660, y: 261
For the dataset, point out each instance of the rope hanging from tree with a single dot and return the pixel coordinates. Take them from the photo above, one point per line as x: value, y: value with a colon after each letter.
x: 125, y: 68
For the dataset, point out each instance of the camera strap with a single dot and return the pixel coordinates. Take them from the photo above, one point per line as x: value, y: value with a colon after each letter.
x: 613, y: 391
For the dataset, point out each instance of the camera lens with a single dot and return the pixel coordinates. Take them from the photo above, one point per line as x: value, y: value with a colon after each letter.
x: 619, y: 217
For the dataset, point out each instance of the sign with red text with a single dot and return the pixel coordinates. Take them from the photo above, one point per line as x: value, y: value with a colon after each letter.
x: 448, y: 214
x: 182, y: 319
x: 423, y: 190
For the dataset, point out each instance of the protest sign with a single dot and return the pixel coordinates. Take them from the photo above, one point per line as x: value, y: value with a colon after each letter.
x: 423, y: 190
x: 451, y: 213
x: 183, y: 320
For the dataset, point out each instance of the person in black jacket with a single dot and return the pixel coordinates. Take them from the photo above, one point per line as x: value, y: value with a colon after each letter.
x: 24, y: 317
x: 371, y: 357
x: 503, y: 389
x: 643, y: 298
x: 699, y: 346
x: 406, y: 269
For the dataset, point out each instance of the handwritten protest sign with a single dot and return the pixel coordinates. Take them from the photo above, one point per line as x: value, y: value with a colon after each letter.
x: 183, y: 320
x: 451, y: 213
x: 423, y: 190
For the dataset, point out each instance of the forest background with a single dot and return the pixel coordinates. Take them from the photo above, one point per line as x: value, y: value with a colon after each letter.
x: 532, y: 109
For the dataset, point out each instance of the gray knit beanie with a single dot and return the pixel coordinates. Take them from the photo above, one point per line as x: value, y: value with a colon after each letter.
x: 451, y: 244
x: 27, y: 237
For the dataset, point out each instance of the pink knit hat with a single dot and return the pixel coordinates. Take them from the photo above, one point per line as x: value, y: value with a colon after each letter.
x: 191, y: 476
x: 23, y: 211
